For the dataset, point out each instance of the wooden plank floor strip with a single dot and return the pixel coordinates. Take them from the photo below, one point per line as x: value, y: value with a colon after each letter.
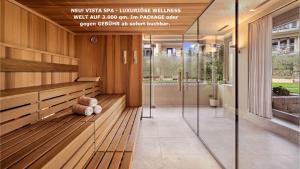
x: 42, y: 133
x: 47, y: 146
x: 77, y: 156
x: 112, y: 133
x: 119, y: 134
x: 106, y: 160
x: 134, y: 131
x: 68, y: 140
x: 125, y: 136
x: 115, y: 163
x: 126, y: 161
x: 28, y: 150
x: 117, y: 100
x: 64, y: 149
x: 25, y: 138
x: 20, y: 132
x: 36, y: 133
x: 82, y: 162
x: 101, y: 120
x: 102, y: 131
x: 95, y: 161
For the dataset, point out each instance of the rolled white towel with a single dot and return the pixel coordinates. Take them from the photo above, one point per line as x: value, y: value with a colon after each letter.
x: 83, y: 110
x: 97, y: 109
x: 87, y: 101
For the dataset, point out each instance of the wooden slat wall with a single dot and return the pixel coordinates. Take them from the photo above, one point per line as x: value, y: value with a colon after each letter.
x: 26, y: 36
x: 105, y: 59
x: 20, y: 109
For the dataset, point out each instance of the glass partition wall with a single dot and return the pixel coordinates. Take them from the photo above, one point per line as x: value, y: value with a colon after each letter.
x: 190, y: 94
x: 209, y: 95
x: 147, y: 67
x: 206, y: 77
x: 162, y: 72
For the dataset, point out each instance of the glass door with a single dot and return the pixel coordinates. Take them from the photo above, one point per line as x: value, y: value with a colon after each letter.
x: 147, y: 76
x: 191, y: 78
x: 209, y: 82
x: 162, y: 73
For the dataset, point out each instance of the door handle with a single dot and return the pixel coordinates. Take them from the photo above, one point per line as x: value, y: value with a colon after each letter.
x: 179, y: 81
x: 187, y: 75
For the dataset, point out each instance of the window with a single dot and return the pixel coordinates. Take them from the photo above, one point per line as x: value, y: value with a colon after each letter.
x: 147, y: 51
x: 171, y: 52
x: 285, y: 73
x: 229, y: 60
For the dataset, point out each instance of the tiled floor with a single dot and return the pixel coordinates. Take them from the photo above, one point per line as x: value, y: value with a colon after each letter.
x: 166, y: 142
x: 258, y: 148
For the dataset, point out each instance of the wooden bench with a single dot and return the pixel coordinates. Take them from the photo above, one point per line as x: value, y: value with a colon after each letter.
x: 39, y: 130
x: 117, y: 148
x: 23, y: 106
x: 63, y: 142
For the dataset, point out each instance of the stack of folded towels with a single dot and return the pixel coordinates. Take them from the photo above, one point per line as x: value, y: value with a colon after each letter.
x: 87, y: 106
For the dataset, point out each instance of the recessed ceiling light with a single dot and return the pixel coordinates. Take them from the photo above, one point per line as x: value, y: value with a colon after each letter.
x: 223, y: 28
x: 260, y: 5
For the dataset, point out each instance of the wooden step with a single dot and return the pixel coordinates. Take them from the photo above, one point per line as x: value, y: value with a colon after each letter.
x: 117, y: 147
x: 63, y: 142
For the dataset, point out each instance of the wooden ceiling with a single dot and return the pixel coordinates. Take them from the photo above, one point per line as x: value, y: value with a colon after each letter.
x: 60, y: 12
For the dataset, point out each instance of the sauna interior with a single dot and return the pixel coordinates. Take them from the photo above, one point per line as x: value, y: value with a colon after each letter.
x: 40, y: 63
x: 181, y: 96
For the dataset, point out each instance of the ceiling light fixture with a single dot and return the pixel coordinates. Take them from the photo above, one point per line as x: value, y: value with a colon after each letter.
x: 223, y: 28
x: 260, y: 5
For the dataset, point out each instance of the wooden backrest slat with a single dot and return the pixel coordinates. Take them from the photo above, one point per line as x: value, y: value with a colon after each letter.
x: 54, y: 109
x: 54, y: 101
x: 18, y: 112
x: 52, y: 93
x: 18, y: 123
x: 76, y: 95
x: 18, y: 100
x: 88, y: 91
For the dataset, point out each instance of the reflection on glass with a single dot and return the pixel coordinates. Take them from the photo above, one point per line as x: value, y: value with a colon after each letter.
x: 216, y: 115
x: 166, y: 68
x: 146, y: 70
x: 209, y: 62
x: 191, y: 78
